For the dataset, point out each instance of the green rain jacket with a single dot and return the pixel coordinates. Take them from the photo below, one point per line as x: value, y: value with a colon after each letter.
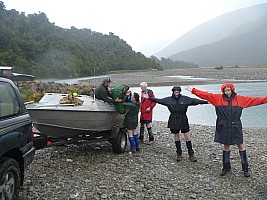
x: 131, y: 118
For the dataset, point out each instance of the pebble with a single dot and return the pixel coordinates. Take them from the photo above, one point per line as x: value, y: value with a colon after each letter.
x: 104, y: 196
x: 152, y: 173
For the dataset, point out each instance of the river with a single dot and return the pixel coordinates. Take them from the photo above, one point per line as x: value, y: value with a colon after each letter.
x: 205, y: 114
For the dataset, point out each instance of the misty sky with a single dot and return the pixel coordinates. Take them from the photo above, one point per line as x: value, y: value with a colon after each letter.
x: 147, y: 25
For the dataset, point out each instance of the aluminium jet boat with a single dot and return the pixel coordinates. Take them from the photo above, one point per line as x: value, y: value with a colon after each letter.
x: 68, y: 120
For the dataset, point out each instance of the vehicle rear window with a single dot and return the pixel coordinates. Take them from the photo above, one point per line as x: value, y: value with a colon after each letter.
x: 9, y: 104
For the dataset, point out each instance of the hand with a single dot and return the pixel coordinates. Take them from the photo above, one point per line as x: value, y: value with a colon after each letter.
x: 118, y: 100
x: 189, y: 89
x: 145, y: 95
x: 148, y: 109
x: 128, y: 92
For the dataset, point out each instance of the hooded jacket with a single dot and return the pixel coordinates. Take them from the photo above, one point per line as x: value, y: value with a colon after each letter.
x: 145, y: 103
x: 178, y: 107
x: 229, y: 111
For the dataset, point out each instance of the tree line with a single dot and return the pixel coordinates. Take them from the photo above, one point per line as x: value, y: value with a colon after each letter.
x: 169, y: 63
x: 31, y: 44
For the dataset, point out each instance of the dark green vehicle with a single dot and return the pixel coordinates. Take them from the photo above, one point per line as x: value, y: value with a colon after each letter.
x: 16, y: 140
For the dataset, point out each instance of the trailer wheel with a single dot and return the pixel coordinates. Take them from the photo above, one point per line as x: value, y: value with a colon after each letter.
x: 9, y: 179
x: 119, y: 144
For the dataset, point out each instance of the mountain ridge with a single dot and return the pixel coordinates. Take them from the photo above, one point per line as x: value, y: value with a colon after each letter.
x: 214, y: 30
x: 245, y: 48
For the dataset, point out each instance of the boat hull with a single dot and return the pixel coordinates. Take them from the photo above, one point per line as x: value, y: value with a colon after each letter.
x: 62, y: 124
x: 69, y: 121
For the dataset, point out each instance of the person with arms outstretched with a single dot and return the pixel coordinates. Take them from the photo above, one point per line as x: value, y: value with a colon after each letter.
x: 178, y: 121
x: 229, y: 106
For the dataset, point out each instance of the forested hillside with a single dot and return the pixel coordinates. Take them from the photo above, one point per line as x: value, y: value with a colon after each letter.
x: 31, y: 44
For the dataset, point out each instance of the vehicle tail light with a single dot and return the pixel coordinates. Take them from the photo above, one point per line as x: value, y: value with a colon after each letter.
x: 34, y: 131
x: 32, y: 135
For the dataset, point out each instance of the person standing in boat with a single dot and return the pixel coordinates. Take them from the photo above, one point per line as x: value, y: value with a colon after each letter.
x: 178, y: 121
x: 229, y: 106
x: 146, y: 113
x: 102, y: 92
x: 131, y: 120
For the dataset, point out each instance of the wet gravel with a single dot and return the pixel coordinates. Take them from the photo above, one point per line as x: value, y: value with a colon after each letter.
x: 93, y: 171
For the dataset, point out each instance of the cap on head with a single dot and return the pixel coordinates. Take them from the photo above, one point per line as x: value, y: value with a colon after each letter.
x: 144, y: 84
x: 177, y: 88
x: 106, y: 80
x: 231, y: 85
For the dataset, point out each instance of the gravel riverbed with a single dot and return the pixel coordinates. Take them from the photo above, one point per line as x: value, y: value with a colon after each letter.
x: 93, y: 171
x: 191, y: 76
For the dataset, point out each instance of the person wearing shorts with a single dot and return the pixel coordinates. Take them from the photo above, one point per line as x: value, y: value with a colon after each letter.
x: 146, y: 110
x: 131, y: 120
x: 178, y: 121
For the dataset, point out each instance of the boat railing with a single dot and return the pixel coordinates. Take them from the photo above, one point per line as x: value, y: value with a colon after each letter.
x: 29, y: 102
x: 55, y: 105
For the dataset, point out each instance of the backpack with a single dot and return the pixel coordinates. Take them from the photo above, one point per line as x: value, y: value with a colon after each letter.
x: 119, y: 91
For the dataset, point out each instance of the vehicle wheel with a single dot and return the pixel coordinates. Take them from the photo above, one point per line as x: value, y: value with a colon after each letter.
x: 119, y: 144
x: 9, y: 179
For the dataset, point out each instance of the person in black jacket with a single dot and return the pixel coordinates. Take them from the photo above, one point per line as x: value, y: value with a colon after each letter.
x: 178, y: 121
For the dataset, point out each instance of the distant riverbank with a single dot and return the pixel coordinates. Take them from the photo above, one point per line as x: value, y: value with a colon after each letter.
x: 192, y: 76
x: 183, y: 77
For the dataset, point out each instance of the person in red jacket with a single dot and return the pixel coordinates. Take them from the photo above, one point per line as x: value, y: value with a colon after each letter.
x: 229, y: 106
x: 146, y: 109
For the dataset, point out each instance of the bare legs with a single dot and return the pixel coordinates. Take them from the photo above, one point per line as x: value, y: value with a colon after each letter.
x: 241, y: 147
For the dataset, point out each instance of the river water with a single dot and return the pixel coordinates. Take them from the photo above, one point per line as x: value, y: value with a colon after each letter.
x: 205, y: 114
